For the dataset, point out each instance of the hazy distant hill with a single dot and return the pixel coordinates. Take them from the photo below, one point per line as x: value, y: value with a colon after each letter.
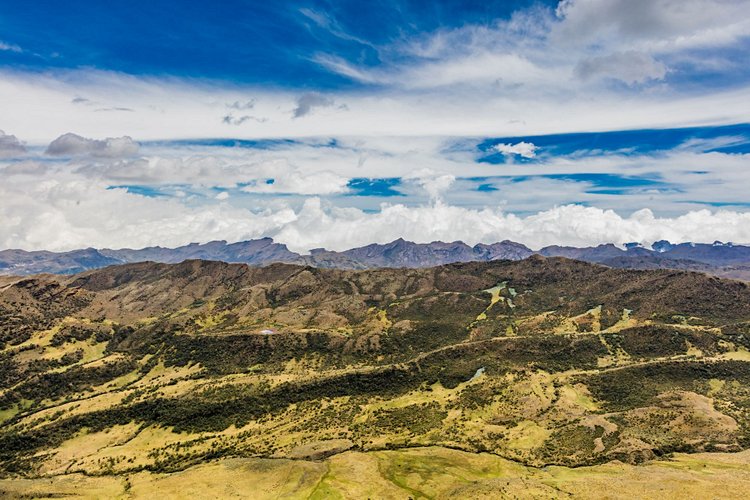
x: 725, y: 260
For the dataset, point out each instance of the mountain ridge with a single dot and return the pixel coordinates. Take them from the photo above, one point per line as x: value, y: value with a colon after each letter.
x: 720, y: 259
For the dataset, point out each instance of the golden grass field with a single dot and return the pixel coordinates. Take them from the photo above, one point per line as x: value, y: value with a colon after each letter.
x: 431, y: 472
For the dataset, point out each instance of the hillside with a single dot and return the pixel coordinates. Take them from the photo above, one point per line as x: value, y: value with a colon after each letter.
x: 158, y: 367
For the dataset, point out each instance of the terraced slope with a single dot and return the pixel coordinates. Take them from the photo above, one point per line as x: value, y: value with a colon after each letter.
x: 154, y: 368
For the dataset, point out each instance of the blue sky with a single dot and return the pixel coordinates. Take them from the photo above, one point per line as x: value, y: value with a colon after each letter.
x: 342, y: 123
x: 268, y: 43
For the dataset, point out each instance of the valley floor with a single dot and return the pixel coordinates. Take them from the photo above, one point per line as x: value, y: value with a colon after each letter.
x: 431, y: 472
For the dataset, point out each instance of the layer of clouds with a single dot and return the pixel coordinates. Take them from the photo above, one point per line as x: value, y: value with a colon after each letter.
x: 37, y: 109
x: 205, y: 193
x: 670, y: 182
x: 10, y: 146
x: 66, y: 212
x: 74, y: 145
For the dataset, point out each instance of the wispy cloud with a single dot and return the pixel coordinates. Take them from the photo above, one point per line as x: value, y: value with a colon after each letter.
x: 10, y: 47
x: 552, y: 48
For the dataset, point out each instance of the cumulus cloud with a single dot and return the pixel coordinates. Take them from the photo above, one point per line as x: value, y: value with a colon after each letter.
x: 307, y: 102
x: 522, y: 149
x: 433, y: 183
x: 10, y: 146
x: 63, y: 213
x: 74, y: 145
x: 338, y: 229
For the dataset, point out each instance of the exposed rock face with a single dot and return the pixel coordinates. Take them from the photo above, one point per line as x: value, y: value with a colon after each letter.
x: 254, y: 252
x: 401, y: 253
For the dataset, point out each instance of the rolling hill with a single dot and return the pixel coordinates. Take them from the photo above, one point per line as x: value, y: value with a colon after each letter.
x: 139, y: 373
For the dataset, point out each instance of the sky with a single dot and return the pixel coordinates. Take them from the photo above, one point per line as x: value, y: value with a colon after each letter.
x: 339, y: 124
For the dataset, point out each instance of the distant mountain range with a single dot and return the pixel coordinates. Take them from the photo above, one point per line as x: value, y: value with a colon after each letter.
x: 720, y: 259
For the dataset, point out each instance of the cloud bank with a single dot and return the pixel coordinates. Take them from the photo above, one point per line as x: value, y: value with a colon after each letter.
x: 67, y: 214
x: 320, y: 192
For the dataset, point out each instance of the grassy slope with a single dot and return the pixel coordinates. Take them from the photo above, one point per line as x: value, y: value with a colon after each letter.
x: 416, y: 473
x: 139, y: 370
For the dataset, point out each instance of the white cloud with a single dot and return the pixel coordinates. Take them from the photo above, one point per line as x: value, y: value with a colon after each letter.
x: 630, y: 67
x: 10, y: 47
x: 522, y: 149
x: 10, y: 146
x: 339, y: 229
x: 292, y: 181
x: 74, y: 145
x: 540, y: 52
x: 433, y: 183
x: 659, y: 23
x: 343, y: 67
x: 309, y: 101
x: 685, y: 178
x: 64, y: 213
x: 478, y: 68
x: 38, y: 108
x: 26, y: 167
